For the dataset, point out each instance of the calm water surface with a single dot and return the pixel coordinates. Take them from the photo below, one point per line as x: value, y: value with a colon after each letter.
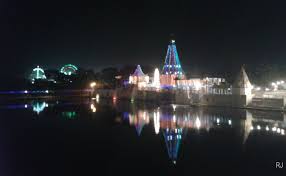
x: 90, y: 137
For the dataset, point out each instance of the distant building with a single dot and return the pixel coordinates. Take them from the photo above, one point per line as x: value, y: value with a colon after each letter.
x: 139, y: 78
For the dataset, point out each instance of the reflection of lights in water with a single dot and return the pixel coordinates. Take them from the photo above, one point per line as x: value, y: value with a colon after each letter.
x: 39, y: 107
x: 114, y: 98
x: 174, y: 118
x: 267, y: 128
x: 157, y: 122
x: 93, y: 108
x: 229, y: 122
x: 97, y: 98
x: 69, y: 114
x: 198, y: 123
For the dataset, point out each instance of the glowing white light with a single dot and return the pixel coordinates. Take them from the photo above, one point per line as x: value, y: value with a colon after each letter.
x: 267, y: 128
x: 258, y: 88
x: 174, y: 107
x: 144, y: 115
x: 97, y: 98
x: 229, y: 122
x: 157, y: 122
x: 217, y: 120
x: 92, y: 84
x: 274, y: 129
x: 278, y: 130
x: 282, y: 132
x: 26, y: 106
x: 172, y: 41
x: 267, y: 89
x: 93, y: 108
x: 258, y: 127
x: 156, y: 82
x: 197, y: 85
x: 174, y: 118
x: 282, y: 82
x: 47, y: 91
x: 26, y: 91
x: 273, y: 84
x: 198, y: 123
x: 251, y: 128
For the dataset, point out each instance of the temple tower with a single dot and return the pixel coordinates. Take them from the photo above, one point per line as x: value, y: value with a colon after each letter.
x: 172, y: 68
x: 242, y: 85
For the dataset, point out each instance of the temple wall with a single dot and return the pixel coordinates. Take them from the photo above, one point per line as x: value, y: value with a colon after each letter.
x: 277, y: 103
x: 224, y: 100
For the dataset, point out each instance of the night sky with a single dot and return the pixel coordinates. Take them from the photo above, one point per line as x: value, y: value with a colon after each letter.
x: 211, y: 35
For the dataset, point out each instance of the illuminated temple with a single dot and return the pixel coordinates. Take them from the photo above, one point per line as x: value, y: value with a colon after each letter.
x: 172, y: 69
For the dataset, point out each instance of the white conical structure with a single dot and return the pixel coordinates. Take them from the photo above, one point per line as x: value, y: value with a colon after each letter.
x: 242, y: 85
x: 156, y: 82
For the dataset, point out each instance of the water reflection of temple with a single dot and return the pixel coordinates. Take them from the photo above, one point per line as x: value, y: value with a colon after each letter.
x: 173, y: 137
x: 173, y: 124
x: 139, y: 119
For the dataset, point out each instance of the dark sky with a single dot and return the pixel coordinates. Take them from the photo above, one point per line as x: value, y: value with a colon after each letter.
x: 210, y: 34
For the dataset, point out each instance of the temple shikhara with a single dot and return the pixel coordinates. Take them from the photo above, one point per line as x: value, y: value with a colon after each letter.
x: 172, y: 69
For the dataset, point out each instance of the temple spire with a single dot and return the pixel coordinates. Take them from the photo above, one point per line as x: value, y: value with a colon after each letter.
x: 172, y: 65
x: 242, y: 80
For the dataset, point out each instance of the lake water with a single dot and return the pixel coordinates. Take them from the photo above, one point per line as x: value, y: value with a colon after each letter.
x: 99, y: 137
